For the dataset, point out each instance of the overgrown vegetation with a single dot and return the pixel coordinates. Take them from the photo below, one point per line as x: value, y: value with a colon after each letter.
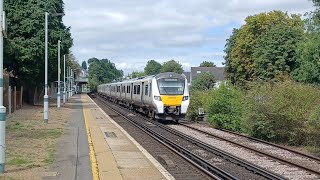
x: 225, y: 108
x: 284, y: 112
x: 198, y: 99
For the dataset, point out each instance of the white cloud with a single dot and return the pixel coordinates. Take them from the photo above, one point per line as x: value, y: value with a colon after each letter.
x: 132, y: 32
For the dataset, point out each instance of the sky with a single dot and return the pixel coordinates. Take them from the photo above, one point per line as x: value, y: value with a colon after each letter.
x: 131, y: 32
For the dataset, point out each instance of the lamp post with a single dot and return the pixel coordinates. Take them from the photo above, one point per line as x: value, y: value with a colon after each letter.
x: 58, y: 94
x: 64, y: 79
x: 2, y: 108
x: 68, y: 84
x: 72, y: 82
x: 45, y: 98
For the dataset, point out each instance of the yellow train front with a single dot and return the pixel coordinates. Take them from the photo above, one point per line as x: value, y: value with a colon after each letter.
x: 164, y: 96
x: 171, y: 96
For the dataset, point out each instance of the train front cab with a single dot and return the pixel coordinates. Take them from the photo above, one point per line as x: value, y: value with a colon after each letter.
x: 172, y: 97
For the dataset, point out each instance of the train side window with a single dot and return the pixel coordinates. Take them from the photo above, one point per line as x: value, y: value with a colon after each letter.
x: 146, y: 90
x: 138, y: 89
x: 134, y: 89
x: 150, y: 90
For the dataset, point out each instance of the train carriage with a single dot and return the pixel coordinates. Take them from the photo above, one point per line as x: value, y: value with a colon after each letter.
x: 164, y: 96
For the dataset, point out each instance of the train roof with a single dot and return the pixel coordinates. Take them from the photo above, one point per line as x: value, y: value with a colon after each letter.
x: 158, y: 76
x: 170, y: 75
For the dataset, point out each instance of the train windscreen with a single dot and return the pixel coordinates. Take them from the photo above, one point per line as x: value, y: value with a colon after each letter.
x: 171, y: 86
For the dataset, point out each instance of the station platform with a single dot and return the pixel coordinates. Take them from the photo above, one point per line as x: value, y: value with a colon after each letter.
x: 113, y: 153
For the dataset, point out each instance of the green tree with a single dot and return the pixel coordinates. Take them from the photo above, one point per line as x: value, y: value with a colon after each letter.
x: 203, y: 82
x: 275, y: 52
x: 136, y: 74
x: 84, y: 65
x: 152, y: 68
x: 207, y: 64
x: 308, y: 53
x: 102, y: 71
x: 24, y: 50
x: 73, y: 63
x: 172, y: 66
x: 314, y: 19
x: 246, y: 45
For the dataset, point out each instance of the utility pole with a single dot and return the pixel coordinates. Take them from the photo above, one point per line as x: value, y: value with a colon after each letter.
x: 2, y: 108
x: 58, y: 95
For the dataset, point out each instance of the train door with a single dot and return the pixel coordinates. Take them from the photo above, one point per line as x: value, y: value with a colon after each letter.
x: 131, y: 91
x: 145, y: 92
x: 142, y: 92
x: 125, y: 91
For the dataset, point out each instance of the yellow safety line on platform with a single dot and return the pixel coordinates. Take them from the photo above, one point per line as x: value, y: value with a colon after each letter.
x: 94, y: 163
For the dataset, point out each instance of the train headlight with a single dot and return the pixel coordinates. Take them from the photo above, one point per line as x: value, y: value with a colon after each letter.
x: 158, y: 98
x: 185, y: 98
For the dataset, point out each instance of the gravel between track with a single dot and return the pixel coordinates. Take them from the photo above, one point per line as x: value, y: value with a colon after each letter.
x: 279, y: 168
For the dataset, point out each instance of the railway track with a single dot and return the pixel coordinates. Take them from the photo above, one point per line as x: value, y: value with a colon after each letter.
x: 276, y: 152
x: 216, y: 163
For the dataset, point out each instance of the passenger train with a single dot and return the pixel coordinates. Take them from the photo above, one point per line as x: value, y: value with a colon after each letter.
x: 164, y: 96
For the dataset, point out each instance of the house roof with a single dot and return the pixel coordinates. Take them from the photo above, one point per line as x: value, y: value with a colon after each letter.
x: 217, y: 72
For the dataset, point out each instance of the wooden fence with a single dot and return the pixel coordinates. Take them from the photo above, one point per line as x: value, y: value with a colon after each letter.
x: 12, y: 96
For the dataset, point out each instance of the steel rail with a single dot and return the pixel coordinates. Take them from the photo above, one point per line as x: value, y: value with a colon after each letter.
x: 200, y: 163
x: 260, y: 152
x: 216, y: 151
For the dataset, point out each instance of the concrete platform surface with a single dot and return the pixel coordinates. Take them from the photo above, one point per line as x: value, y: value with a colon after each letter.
x: 72, y: 157
x: 118, y: 155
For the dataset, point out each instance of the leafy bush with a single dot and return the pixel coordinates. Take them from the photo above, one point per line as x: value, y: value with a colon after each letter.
x: 225, y: 108
x: 203, y: 82
x: 312, y: 130
x: 286, y: 112
x: 197, y: 100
